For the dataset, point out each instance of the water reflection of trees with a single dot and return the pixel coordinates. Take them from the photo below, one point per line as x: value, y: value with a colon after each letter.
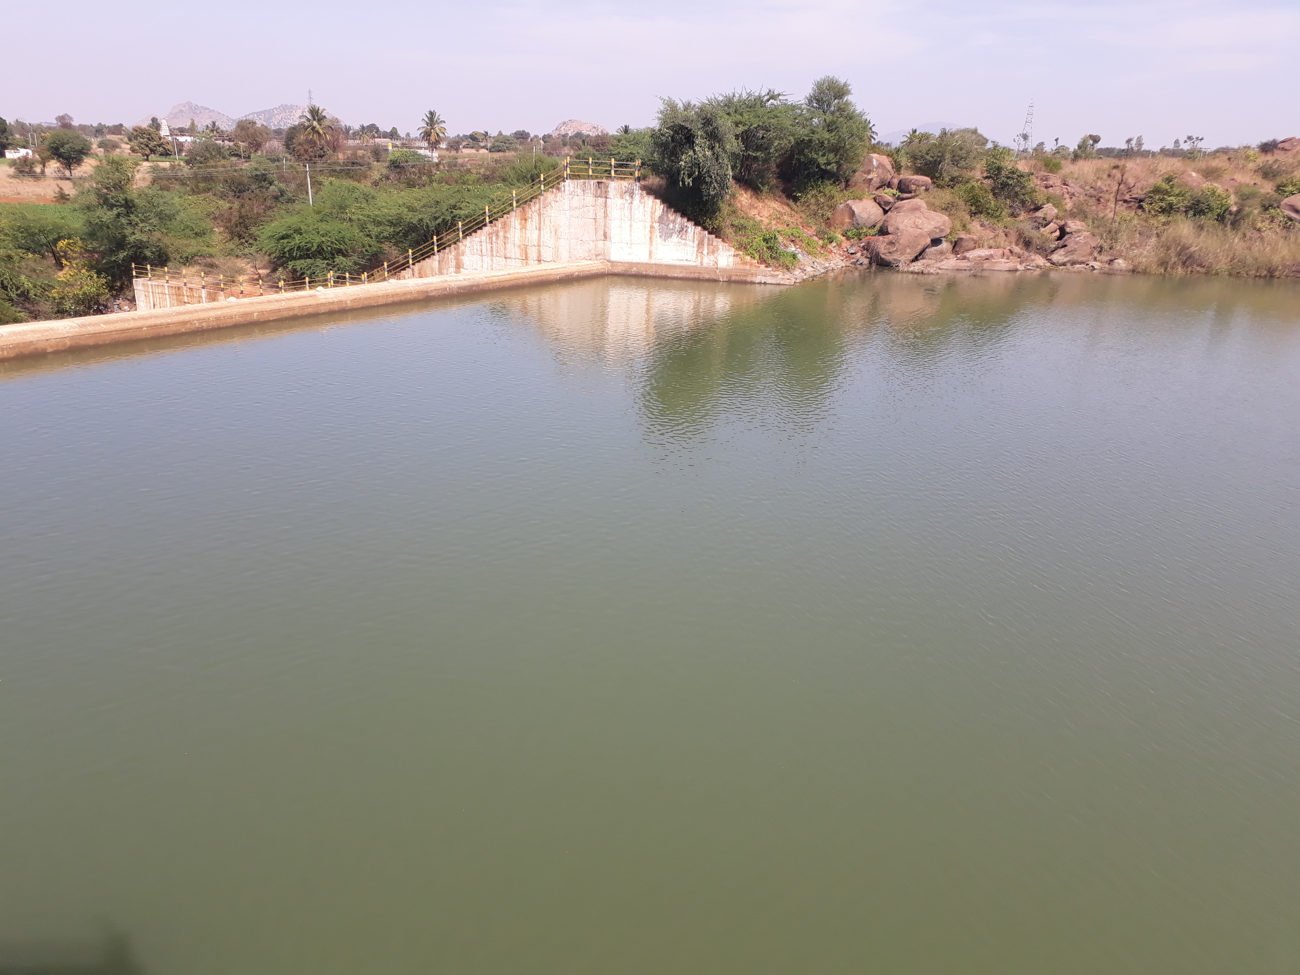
x: 704, y: 354
x: 110, y: 954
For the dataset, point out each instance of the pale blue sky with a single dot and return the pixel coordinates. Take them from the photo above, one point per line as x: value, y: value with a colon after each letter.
x: 1160, y: 68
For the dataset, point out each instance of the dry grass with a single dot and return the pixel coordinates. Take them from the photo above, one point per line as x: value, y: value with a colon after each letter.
x: 1184, y: 246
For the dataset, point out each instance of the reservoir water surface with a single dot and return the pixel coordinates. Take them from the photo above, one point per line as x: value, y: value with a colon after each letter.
x: 881, y: 624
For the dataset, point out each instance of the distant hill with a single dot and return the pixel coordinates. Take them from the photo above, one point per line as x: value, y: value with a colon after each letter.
x: 280, y: 117
x: 179, y: 116
x: 574, y: 126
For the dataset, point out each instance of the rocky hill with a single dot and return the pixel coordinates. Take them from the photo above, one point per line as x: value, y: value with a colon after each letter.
x: 178, y: 116
x: 280, y: 117
x: 575, y: 126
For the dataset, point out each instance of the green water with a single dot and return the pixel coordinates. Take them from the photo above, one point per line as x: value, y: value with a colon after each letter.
x: 883, y: 624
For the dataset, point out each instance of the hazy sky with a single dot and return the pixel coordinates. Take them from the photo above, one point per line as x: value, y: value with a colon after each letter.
x: 1159, y: 68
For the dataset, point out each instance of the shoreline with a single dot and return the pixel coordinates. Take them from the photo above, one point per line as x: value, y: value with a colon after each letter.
x: 52, y: 336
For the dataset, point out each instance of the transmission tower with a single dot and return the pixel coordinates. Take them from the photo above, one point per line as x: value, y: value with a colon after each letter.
x: 1025, y: 140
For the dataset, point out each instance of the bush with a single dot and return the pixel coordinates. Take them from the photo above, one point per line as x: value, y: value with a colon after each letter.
x: 1167, y: 197
x: 980, y: 201
x: 207, y: 152
x: 830, y: 136
x: 1288, y: 187
x: 78, y: 290
x: 947, y: 158
x: 1050, y: 164
x: 1211, y: 203
x: 1008, y: 182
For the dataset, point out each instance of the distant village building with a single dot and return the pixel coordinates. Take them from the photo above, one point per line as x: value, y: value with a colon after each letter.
x: 17, y: 154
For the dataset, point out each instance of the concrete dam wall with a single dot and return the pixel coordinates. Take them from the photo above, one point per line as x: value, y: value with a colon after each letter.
x: 613, y: 221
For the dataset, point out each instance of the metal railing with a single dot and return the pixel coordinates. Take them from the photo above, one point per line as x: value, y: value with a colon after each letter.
x: 220, y: 286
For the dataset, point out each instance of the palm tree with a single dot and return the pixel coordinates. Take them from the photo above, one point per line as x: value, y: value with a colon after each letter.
x: 316, y: 132
x: 433, y: 129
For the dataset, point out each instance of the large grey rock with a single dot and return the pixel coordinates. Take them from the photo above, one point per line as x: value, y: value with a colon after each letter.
x: 877, y: 170
x: 897, y: 250
x: 1073, y: 227
x: 1291, y: 206
x: 1077, y: 248
x: 914, y: 184
x: 857, y: 214
x: 885, y: 201
x: 913, y: 216
x: 937, y: 251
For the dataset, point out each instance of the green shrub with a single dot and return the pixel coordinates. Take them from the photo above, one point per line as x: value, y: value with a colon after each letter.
x: 1211, y: 203
x: 980, y: 201
x: 1288, y: 187
x: 860, y: 233
x: 1167, y: 198
x: 948, y: 157
x: 1008, y: 182
x: 1050, y: 164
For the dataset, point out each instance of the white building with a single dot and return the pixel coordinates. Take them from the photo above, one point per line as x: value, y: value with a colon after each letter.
x: 17, y: 153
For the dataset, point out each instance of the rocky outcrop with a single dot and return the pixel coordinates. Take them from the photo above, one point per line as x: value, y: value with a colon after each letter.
x: 876, y: 172
x: 1077, y: 248
x: 885, y: 201
x: 913, y: 216
x: 985, y: 259
x: 914, y: 184
x: 857, y: 214
x: 897, y: 249
x: 1291, y: 207
x: 1288, y: 145
x: 964, y: 243
x: 1044, y: 215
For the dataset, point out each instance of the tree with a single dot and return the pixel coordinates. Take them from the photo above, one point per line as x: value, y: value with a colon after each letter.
x: 144, y: 140
x: 1087, y: 146
x: 314, y: 137
x: 250, y: 136
x: 68, y: 148
x: 63, y: 121
x: 831, y: 135
x: 6, y: 137
x: 947, y: 158
x: 433, y: 129
x: 764, y: 126
x: 693, y: 146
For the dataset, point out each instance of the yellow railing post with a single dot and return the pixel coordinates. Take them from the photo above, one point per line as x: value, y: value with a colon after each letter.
x: 410, y: 259
x: 385, y: 270
x: 514, y: 199
x: 460, y: 230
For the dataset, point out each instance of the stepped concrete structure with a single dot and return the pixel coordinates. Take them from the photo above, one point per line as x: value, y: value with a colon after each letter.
x: 614, y: 221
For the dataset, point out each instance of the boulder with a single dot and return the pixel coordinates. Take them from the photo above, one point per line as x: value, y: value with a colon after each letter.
x: 1288, y: 145
x: 914, y: 184
x: 1077, y: 248
x: 1053, y: 230
x: 856, y: 213
x: 1073, y: 227
x: 897, y: 249
x: 1044, y: 215
x: 937, y: 251
x: 913, y: 216
x: 1291, y: 207
x: 884, y: 201
x: 876, y: 171
x: 964, y: 243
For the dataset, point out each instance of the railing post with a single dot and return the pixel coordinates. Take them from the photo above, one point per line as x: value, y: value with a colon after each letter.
x: 566, y: 167
x: 514, y: 199
x: 347, y: 279
x: 460, y: 230
x: 282, y: 284
x: 487, y: 217
x: 588, y: 165
x: 385, y: 270
x: 611, y: 169
x: 410, y: 258
x: 435, y: 245
x: 364, y: 278
x: 329, y: 280
x: 638, y: 170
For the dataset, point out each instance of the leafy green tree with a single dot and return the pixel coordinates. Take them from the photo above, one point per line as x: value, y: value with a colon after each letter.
x: 6, y: 136
x: 831, y: 135
x: 764, y: 127
x: 947, y: 158
x: 68, y: 148
x: 207, y: 152
x: 145, y: 141
x: 1087, y: 147
x: 38, y: 230
x: 693, y: 147
x: 250, y: 136
x: 433, y: 129
x: 125, y: 225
